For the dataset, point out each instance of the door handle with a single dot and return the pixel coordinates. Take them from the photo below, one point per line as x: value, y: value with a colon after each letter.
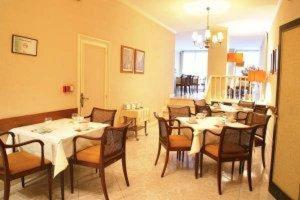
x: 82, y: 99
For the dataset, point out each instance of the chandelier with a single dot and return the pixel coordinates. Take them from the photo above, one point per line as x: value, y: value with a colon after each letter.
x: 208, y: 40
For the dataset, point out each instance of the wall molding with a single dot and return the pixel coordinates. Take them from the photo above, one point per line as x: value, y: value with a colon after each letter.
x: 9, y: 123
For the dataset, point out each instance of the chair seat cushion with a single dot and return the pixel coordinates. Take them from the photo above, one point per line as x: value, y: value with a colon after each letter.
x: 23, y: 161
x: 179, y: 141
x: 90, y: 155
x: 229, y: 150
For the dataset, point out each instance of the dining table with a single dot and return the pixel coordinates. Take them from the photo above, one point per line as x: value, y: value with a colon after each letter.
x: 230, y: 109
x: 212, y: 123
x: 57, y: 136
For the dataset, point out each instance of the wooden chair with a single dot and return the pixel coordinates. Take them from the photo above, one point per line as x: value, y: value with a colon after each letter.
x: 174, y: 112
x: 261, y: 121
x: 262, y: 109
x: 179, y: 143
x: 210, y: 113
x: 19, y: 164
x: 242, y: 117
x: 200, y: 102
x: 235, y: 144
x: 102, y: 116
x: 111, y: 148
x: 246, y: 104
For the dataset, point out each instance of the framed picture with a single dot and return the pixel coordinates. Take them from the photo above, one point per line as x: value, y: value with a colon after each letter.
x: 127, y: 59
x: 139, y: 62
x: 274, y: 61
x: 24, y: 45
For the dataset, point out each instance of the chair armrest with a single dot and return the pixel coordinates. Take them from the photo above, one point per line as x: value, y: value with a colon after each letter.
x: 13, y: 136
x: 30, y: 142
x: 84, y: 137
x: 89, y: 116
x: 204, y: 135
x: 174, y: 120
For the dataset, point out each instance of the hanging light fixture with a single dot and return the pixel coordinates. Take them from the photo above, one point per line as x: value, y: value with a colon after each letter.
x: 209, y: 40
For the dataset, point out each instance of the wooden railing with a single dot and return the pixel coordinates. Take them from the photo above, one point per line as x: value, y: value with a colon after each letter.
x: 233, y: 89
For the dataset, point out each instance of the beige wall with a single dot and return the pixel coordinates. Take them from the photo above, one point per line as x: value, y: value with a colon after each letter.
x: 286, y: 162
x: 33, y: 84
x: 288, y: 10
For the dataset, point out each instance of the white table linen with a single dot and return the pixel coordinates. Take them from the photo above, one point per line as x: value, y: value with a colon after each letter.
x: 206, y: 123
x: 230, y: 109
x: 58, y: 144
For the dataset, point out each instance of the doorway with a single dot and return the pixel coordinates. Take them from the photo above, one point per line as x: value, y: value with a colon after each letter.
x: 93, y: 62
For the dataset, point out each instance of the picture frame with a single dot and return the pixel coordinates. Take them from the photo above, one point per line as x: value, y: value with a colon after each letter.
x: 24, y: 45
x: 139, y: 62
x: 274, y: 61
x: 127, y: 59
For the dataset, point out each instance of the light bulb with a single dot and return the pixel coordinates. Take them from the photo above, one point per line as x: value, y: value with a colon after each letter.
x: 207, y: 34
x: 214, y: 39
x: 220, y: 37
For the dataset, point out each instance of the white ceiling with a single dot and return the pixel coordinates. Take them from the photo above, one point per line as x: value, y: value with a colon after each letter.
x: 242, y: 17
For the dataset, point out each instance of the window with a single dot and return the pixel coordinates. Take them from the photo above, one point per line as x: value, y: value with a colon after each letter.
x: 251, y: 57
x: 194, y: 63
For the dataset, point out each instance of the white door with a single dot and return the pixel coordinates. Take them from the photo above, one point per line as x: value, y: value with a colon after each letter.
x: 93, y: 57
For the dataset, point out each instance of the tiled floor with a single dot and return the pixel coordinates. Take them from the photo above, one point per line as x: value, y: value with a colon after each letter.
x: 179, y: 182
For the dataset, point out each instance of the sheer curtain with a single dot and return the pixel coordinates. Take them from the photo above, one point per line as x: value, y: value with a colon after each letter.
x: 194, y: 63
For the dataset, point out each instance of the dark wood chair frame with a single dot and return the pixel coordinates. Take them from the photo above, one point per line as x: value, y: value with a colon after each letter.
x: 260, y: 141
x: 221, y: 159
x: 7, y: 177
x: 249, y: 104
x: 172, y: 118
x: 166, y: 144
x: 103, y: 162
x: 110, y: 122
x: 133, y: 126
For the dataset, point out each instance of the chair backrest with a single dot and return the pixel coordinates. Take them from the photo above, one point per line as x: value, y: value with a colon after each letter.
x: 164, y: 129
x: 3, y: 158
x: 174, y: 112
x: 201, y: 102
x: 113, y: 141
x: 184, y: 79
x: 260, y: 120
x: 262, y: 109
x: 200, y: 109
x: 236, y: 141
x: 246, y: 104
x: 103, y: 116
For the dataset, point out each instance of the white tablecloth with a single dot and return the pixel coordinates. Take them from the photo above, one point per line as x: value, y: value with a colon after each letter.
x: 230, y: 109
x: 201, y: 125
x: 58, y: 143
x: 141, y: 115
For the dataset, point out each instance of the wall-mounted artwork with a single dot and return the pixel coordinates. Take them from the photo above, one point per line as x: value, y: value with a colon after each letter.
x: 24, y: 45
x: 127, y: 59
x: 139, y: 62
x: 274, y: 61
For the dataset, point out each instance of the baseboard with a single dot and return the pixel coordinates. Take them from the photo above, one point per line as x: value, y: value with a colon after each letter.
x: 277, y: 193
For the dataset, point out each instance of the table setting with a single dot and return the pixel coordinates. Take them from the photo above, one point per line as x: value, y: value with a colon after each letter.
x: 230, y: 109
x: 57, y: 136
x: 200, y: 122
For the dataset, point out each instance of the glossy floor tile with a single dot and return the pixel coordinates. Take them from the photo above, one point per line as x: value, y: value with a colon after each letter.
x: 179, y: 182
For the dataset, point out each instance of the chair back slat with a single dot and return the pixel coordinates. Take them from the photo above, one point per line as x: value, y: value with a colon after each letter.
x: 103, y: 116
x: 179, y: 112
x: 236, y: 141
x: 114, y: 141
x: 164, y: 130
x: 261, y: 120
x: 201, y: 102
x: 201, y: 109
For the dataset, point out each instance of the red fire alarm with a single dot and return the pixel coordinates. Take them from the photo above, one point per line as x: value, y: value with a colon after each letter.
x: 68, y: 88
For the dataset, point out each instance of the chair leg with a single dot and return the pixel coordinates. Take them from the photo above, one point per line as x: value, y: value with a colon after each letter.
x: 23, y: 182
x: 249, y: 174
x: 50, y: 182
x: 263, y: 155
x: 232, y: 170
x: 158, y: 153
x: 166, y: 163
x: 72, y: 176
x: 125, y: 169
x: 62, y: 185
x: 6, y: 189
x: 201, y: 163
x: 136, y: 135
x: 103, y: 183
x: 182, y: 156
x: 219, y: 176
x: 196, y: 165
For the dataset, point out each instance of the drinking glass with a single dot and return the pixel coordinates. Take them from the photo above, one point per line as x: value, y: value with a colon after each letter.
x: 75, y: 117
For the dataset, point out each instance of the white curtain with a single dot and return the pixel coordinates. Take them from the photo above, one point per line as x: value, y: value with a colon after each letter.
x: 194, y: 63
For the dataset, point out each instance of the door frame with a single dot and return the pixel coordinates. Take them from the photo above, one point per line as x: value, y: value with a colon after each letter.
x: 274, y: 189
x: 81, y: 41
